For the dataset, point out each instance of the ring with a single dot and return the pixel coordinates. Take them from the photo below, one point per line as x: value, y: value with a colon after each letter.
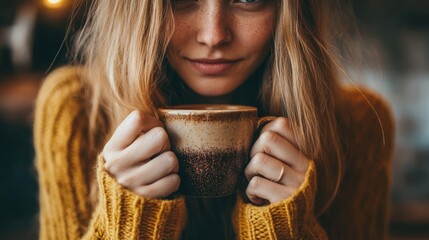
x: 282, y: 172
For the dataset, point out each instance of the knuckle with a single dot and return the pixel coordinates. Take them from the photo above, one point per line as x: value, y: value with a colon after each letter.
x: 160, y: 134
x: 172, y: 161
x: 139, y: 118
x: 125, y: 181
x: 107, y: 155
x: 169, y: 155
x: 175, y: 181
x: 134, y: 119
x: 253, y: 184
x: 112, y: 162
x: 146, y: 191
x: 169, y: 161
x: 106, y: 150
x: 248, y: 171
x: 248, y: 192
x: 156, y: 132
x: 111, y: 168
x: 260, y: 160
x: 282, y: 123
x: 108, y: 167
x: 268, y: 137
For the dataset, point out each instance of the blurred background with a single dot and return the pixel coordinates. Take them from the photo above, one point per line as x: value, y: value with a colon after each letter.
x: 395, y: 32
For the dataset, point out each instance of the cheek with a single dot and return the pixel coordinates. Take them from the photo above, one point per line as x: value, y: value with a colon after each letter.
x: 181, y: 34
x: 257, y: 34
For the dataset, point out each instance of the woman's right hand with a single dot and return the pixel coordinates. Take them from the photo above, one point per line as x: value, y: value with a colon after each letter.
x: 138, y: 156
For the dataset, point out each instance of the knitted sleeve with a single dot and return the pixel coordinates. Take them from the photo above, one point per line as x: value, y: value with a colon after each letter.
x: 64, y: 173
x: 292, y: 218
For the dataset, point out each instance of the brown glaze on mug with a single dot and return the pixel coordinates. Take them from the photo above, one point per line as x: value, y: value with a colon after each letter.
x: 212, y: 143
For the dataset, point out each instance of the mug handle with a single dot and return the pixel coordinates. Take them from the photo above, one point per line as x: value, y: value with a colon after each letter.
x: 261, y: 124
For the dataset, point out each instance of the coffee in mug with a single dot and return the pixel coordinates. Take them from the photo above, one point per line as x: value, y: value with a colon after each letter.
x: 212, y: 143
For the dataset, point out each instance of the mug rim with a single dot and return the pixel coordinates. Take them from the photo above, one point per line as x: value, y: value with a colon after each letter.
x: 207, y: 108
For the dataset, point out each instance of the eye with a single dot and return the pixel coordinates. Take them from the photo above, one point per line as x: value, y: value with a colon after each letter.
x: 252, y: 5
x: 247, y: 1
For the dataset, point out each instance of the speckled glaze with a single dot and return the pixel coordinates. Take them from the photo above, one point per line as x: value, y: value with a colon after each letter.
x: 212, y: 143
x: 210, y: 173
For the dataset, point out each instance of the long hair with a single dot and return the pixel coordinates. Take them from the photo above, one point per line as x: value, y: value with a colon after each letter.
x: 304, y: 86
x: 123, y: 46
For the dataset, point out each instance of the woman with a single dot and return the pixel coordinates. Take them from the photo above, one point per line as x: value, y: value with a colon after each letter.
x: 319, y: 170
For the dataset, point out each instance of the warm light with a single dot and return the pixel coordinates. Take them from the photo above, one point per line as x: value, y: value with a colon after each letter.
x: 53, y: 3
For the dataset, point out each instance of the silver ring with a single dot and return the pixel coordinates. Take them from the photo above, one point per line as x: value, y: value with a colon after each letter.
x: 282, y: 172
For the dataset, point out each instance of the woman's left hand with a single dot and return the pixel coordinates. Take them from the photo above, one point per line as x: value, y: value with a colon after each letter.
x: 277, y: 167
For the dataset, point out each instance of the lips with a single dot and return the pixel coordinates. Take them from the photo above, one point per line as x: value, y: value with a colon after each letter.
x: 213, y: 66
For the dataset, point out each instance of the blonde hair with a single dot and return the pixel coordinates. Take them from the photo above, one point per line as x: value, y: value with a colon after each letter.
x: 304, y: 86
x: 123, y: 46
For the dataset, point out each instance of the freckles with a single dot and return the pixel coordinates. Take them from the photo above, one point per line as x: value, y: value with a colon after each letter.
x: 256, y: 30
x: 182, y: 32
x: 260, y: 34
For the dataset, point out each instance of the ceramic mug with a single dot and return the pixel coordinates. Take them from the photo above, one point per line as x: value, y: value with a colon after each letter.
x: 212, y: 144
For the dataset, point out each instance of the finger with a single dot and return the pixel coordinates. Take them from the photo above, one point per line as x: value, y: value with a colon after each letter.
x: 146, y: 146
x: 278, y: 147
x: 261, y: 188
x: 150, y: 172
x: 161, y: 188
x: 282, y: 127
x: 130, y: 128
x: 274, y: 170
x: 263, y: 165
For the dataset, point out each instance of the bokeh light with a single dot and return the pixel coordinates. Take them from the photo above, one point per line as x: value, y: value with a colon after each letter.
x: 53, y: 3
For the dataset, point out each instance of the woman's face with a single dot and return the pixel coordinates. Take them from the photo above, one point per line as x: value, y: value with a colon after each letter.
x: 218, y: 44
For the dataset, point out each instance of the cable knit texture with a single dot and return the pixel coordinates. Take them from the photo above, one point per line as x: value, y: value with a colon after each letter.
x: 292, y: 218
x: 66, y: 170
x: 65, y: 210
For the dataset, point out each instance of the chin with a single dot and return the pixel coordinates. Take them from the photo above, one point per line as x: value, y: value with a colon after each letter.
x: 212, y: 91
x: 218, y: 88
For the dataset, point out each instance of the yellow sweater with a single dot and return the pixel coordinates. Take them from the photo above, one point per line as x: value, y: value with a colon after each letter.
x: 359, y: 211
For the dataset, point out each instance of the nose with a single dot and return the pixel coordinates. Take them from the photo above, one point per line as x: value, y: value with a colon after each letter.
x: 213, y: 30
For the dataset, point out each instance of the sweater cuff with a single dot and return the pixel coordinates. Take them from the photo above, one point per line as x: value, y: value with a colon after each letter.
x: 286, y: 219
x: 131, y: 216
